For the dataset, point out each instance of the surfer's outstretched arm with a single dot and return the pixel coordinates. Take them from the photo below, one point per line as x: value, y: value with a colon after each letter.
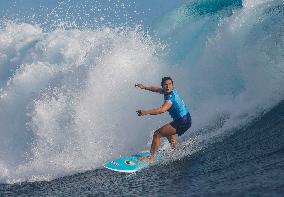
x: 165, y: 107
x: 150, y: 88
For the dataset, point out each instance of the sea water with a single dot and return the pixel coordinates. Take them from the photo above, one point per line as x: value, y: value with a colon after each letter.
x: 68, y: 102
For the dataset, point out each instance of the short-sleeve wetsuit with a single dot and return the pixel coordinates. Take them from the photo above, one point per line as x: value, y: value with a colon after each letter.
x: 179, y: 112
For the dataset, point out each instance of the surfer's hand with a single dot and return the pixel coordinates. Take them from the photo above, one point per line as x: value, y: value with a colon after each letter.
x: 140, y: 85
x: 141, y: 112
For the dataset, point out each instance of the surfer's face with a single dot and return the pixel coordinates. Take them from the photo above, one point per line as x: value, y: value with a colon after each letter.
x: 168, y: 86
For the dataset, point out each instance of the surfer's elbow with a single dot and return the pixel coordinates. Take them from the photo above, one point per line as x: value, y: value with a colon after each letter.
x: 163, y: 110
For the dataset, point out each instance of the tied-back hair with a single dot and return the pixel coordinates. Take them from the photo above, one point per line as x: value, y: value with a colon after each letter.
x: 165, y: 79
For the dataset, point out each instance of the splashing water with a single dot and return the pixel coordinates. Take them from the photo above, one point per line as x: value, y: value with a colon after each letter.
x: 67, y: 101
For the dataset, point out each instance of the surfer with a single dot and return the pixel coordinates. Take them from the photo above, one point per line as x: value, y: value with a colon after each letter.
x: 176, y: 107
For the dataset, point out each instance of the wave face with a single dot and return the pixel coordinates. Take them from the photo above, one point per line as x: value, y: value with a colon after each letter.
x: 228, y: 56
x: 66, y: 94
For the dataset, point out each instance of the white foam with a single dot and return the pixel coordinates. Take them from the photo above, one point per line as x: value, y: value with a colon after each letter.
x: 68, y: 105
x: 68, y: 101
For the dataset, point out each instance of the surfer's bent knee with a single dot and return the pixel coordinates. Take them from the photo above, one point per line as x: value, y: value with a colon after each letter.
x: 157, y: 133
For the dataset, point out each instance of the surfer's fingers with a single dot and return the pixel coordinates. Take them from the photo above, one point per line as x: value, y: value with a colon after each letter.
x: 139, y: 112
x: 139, y: 85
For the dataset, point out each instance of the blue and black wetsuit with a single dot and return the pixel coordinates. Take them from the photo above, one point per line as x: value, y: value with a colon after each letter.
x: 179, y: 112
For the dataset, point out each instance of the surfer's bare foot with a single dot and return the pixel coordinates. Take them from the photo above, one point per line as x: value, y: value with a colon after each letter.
x: 146, y: 159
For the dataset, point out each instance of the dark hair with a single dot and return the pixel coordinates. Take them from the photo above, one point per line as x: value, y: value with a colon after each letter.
x: 165, y: 79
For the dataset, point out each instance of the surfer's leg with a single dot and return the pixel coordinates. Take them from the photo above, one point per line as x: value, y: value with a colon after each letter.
x: 172, y: 140
x: 164, y: 131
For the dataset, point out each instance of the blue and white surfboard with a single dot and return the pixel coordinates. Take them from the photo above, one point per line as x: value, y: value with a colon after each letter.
x: 129, y: 164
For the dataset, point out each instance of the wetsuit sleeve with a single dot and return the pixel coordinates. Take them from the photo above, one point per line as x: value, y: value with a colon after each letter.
x: 169, y: 98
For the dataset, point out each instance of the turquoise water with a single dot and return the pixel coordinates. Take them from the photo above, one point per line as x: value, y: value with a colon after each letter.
x: 67, y: 101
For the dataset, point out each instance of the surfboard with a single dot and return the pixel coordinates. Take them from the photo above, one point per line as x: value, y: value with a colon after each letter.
x: 129, y: 164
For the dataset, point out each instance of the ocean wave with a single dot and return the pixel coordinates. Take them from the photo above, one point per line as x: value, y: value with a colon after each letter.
x: 67, y: 99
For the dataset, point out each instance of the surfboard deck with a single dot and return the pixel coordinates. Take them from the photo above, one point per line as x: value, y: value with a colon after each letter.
x: 129, y: 164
